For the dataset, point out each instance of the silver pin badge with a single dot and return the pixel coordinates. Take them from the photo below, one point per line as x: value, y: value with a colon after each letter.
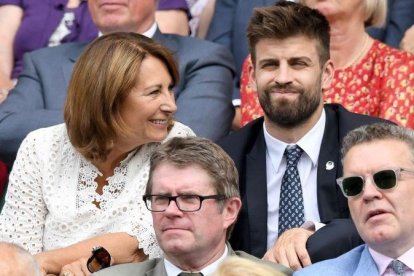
x: 330, y: 165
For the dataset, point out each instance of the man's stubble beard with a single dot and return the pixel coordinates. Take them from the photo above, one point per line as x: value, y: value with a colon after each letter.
x: 287, y: 113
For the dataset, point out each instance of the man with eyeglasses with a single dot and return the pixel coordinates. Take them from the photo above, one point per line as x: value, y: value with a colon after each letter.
x: 193, y: 195
x: 378, y: 181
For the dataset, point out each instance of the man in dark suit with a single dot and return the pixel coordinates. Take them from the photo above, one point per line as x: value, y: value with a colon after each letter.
x: 291, y: 68
x: 193, y: 194
x: 203, y: 95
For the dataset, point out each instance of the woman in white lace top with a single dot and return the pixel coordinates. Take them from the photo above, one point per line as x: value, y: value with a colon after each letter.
x: 78, y: 185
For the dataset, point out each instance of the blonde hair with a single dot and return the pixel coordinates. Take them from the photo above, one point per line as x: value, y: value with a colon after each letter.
x: 236, y: 266
x: 375, y: 13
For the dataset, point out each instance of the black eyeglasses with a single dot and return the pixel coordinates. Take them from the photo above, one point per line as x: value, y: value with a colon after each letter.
x: 384, y: 180
x: 185, y: 203
x: 100, y: 259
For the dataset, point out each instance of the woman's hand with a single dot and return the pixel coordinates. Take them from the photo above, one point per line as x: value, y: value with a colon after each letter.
x: 77, y: 268
x: 122, y: 247
x: 47, y: 268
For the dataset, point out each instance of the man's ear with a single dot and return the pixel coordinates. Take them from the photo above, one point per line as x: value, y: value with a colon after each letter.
x: 231, y: 211
x: 328, y: 71
x: 252, y: 75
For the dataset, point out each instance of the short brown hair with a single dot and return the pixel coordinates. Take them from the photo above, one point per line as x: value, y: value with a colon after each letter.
x: 288, y: 19
x: 183, y: 152
x: 102, y: 78
x: 378, y: 132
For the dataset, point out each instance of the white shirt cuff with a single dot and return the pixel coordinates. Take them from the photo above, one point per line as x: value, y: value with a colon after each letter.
x: 236, y: 102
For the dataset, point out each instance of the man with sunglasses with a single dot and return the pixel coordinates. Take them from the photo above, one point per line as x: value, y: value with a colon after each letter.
x: 378, y: 181
x: 193, y: 195
x: 296, y: 142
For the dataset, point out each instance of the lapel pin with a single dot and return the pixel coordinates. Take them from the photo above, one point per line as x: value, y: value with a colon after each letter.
x: 330, y: 165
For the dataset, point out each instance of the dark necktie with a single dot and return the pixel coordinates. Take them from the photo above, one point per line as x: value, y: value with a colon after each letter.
x: 291, y: 210
x: 398, y: 267
x: 190, y: 274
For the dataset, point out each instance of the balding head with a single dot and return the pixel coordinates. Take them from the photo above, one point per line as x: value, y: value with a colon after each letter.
x: 15, y: 261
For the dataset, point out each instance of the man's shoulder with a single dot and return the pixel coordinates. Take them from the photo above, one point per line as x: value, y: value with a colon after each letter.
x: 345, y: 264
x: 66, y: 49
x: 191, y: 41
x: 243, y: 138
x: 130, y: 269
x: 191, y: 46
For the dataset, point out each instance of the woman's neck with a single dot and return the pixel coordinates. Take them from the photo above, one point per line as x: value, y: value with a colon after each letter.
x: 349, y: 43
x: 112, y: 161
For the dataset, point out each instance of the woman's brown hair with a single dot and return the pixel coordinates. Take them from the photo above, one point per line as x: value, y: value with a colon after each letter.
x: 103, y: 76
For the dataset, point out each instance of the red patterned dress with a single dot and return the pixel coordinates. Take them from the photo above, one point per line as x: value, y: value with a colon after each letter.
x: 381, y: 85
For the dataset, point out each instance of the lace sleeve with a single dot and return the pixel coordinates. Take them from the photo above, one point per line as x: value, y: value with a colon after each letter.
x: 138, y: 223
x: 144, y: 231
x: 23, y: 216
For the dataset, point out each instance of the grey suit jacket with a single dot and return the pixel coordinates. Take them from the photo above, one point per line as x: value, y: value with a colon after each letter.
x: 203, y: 95
x: 156, y: 267
x: 356, y: 262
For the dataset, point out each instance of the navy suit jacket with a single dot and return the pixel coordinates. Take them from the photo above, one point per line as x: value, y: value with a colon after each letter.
x: 203, y: 95
x: 247, y: 148
x: 228, y: 27
x: 355, y: 262
x: 400, y: 16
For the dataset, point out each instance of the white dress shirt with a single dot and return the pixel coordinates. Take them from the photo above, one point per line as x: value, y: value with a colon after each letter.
x: 151, y: 31
x: 307, y: 166
x: 173, y: 270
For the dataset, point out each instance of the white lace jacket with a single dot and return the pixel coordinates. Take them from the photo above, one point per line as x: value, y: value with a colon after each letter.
x: 51, y: 190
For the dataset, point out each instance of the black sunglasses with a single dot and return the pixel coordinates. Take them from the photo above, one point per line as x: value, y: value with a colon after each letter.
x: 100, y: 259
x: 383, y: 180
